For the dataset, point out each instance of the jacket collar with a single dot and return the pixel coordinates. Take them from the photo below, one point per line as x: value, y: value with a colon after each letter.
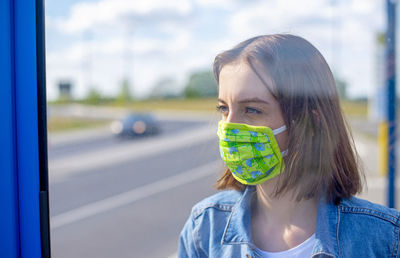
x: 237, y: 229
x: 327, y: 228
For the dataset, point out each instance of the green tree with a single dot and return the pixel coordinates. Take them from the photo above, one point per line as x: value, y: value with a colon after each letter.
x: 93, y: 97
x: 165, y: 88
x: 201, y: 84
x: 125, y: 94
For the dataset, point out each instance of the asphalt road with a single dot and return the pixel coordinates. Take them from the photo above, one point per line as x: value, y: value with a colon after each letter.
x: 131, y: 207
x: 113, y: 198
x: 104, y: 140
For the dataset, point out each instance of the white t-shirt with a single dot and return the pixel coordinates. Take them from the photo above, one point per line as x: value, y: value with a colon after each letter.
x: 302, y: 250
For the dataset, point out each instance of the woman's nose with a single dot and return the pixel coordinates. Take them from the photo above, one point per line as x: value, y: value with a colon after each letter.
x: 233, y: 118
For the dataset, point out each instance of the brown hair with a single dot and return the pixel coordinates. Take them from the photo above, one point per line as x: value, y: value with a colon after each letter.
x: 321, y: 156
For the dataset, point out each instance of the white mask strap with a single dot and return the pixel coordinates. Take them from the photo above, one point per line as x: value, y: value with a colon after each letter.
x: 284, y: 153
x: 279, y: 130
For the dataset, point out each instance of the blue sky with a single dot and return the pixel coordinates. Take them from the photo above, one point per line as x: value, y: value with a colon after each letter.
x: 96, y: 43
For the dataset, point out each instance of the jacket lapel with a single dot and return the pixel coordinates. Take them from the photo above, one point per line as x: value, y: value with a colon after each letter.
x: 327, y: 229
x: 237, y: 229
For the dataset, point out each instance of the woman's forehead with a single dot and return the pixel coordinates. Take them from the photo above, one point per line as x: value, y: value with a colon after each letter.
x: 240, y: 82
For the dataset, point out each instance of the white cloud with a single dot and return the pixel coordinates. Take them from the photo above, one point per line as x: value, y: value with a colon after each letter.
x: 344, y: 31
x: 221, y: 4
x: 164, y: 45
x: 106, y: 61
x: 365, y: 6
x: 86, y: 16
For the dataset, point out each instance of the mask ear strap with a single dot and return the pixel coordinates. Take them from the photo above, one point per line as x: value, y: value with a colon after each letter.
x: 279, y: 130
x: 284, y: 153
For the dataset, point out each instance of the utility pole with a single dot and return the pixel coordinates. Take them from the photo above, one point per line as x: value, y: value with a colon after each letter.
x: 390, y: 66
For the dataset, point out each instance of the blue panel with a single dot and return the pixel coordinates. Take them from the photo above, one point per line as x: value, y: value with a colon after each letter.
x: 391, y: 98
x: 9, y: 237
x: 27, y: 128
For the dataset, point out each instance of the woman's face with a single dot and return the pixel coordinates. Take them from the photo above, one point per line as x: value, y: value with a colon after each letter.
x: 243, y: 98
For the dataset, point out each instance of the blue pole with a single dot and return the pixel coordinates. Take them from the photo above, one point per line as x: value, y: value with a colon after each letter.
x: 391, y: 91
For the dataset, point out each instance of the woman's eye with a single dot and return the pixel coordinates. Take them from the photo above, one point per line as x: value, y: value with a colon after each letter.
x: 222, y: 109
x: 252, y: 110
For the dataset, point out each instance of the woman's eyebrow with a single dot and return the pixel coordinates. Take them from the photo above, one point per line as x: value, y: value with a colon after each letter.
x: 252, y: 100
x: 220, y: 100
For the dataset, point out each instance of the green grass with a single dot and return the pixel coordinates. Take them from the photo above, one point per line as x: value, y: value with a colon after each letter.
x: 57, y: 124
x: 354, y: 108
x: 205, y: 104
x: 358, y: 108
x: 60, y: 124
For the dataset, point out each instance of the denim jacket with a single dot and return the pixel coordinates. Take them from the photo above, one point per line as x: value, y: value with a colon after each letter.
x: 219, y: 226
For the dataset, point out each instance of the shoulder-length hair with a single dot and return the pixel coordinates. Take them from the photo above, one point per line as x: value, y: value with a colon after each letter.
x: 321, y: 156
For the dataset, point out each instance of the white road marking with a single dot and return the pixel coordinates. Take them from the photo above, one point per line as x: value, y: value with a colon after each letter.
x: 61, y: 168
x: 174, y: 255
x: 65, y: 138
x: 134, y: 195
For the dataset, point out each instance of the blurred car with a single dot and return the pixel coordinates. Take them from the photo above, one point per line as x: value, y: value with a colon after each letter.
x: 135, y: 124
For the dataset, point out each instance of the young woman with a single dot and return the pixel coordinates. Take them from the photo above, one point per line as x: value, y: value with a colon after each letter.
x: 292, y: 169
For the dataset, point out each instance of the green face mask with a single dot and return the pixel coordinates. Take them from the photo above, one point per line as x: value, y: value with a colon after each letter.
x: 250, y: 152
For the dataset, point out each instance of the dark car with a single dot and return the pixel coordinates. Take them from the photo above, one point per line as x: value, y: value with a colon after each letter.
x: 135, y: 124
